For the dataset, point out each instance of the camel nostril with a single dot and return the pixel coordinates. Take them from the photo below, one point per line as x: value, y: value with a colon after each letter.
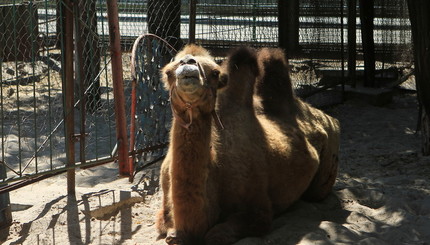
x: 191, y: 61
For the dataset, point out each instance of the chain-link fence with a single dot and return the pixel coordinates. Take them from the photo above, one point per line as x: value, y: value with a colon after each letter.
x: 32, y: 100
x: 31, y: 112
x: 32, y: 59
x: 314, y: 32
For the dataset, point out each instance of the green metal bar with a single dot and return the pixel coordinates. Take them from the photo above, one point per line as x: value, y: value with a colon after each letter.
x: 33, y: 61
x: 68, y: 92
x: 106, y: 62
x: 80, y: 80
x: 254, y: 22
x: 15, y: 35
x: 92, y: 54
x: 49, y: 92
x: 1, y: 110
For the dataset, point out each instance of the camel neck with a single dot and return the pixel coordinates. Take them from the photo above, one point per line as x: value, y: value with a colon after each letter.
x: 189, y: 170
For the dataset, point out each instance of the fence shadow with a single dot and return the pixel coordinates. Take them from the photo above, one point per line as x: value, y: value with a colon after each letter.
x: 25, y: 230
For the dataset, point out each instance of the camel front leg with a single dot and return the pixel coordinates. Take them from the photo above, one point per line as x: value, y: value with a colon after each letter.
x: 240, y: 225
x: 164, y: 220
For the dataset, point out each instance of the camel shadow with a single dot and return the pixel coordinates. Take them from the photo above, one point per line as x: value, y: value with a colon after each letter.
x: 307, y: 221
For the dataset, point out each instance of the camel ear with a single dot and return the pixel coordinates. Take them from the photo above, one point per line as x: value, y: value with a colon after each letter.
x: 167, y: 76
x: 223, y: 80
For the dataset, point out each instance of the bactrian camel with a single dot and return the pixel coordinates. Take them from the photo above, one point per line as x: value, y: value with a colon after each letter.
x: 220, y: 185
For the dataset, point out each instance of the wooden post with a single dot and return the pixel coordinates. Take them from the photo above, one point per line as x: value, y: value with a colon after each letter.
x: 68, y: 91
x: 420, y: 25
x: 352, y: 41
x: 366, y: 17
x: 125, y: 169
x: 288, y: 26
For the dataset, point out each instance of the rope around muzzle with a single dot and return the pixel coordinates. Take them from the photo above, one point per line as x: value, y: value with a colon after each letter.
x: 189, y: 106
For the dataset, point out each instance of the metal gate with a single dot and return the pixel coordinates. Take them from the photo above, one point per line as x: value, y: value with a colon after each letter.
x: 150, y: 106
x: 57, y: 107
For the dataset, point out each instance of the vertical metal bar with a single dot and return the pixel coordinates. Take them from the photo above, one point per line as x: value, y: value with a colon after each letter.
x: 49, y: 89
x: 367, y: 14
x: 30, y: 9
x: 68, y: 87
x: 133, y: 122
x: 352, y: 41
x: 192, y: 24
x: 342, y: 52
x: 18, y: 109
x: 125, y: 168
x: 254, y: 22
x: 105, y: 63
x: 79, y: 63
x: 2, y: 133
x: 288, y: 26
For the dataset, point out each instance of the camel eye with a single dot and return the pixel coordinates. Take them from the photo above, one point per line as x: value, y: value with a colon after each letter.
x: 215, y: 73
x: 169, y: 73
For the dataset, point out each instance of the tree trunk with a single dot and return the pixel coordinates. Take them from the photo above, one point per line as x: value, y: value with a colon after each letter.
x: 288, y: 26
x: 366, y: 17
x: 420, y: 25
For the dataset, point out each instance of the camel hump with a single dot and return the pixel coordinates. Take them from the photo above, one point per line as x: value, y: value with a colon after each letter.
x: 242, y: 70
x: 243, y: 57
x: 274, y: 86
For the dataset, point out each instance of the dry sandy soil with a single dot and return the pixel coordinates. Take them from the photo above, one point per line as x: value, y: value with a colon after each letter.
x: 382, y: 194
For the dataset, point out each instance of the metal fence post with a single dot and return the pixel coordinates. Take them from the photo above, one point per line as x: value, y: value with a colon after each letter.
x: 5, y: 210
x: 288, y: 24
x: 68, y: 90
x: 125, y: 169
x: 192, y: 25
x: 352, y: 42
x: 367, y: 15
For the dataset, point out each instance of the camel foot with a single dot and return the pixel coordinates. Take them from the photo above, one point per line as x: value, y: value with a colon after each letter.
x: 172, y: 238
x: 220, y: 236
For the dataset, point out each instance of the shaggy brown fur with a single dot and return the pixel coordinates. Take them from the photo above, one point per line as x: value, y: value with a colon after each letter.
x: 220, y: 186
x: 282, y: 106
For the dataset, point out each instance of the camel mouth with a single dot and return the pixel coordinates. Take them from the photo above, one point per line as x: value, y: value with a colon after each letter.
x: 188, y: 78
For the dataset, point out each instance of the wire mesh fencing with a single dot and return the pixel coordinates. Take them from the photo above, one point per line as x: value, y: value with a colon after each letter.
x: 93, y: 79
x: 150, y: 106
x: 31, y: 112
x: 32, y: 59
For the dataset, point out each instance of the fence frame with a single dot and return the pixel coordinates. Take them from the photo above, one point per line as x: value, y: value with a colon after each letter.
x: 120, y: 153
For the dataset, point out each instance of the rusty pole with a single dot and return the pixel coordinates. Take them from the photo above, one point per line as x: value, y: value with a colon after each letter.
x: 125, y: 169
x: 132, y: 123
x: 192, y: 24
x: 67, y: 10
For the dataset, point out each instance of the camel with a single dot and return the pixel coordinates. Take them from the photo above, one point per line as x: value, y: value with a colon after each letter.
x: 222, y: 185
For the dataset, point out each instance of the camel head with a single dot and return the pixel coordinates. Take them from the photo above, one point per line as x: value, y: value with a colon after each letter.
x: 193, y: 78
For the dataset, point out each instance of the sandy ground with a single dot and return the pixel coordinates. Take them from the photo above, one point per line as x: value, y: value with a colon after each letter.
x: 382, y: 194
